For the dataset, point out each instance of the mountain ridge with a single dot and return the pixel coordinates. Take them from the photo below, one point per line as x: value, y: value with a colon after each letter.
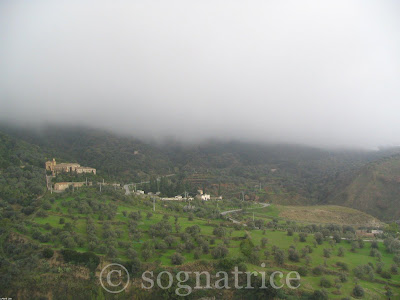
x: 285, y: 174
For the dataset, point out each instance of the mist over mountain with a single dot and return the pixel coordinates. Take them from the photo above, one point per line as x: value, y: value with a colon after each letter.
x: 259, y: 139
x: 286, y: 173
x: 320, y: 73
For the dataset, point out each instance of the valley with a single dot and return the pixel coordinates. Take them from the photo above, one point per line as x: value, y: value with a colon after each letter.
x: 256, y: 219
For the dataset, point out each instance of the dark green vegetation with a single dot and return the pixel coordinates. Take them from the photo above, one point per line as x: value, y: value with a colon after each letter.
x: 21, y: 171
x: 288, y: 174
x: 87, y: 229
x: 375, y: 189
x: 54, y: 245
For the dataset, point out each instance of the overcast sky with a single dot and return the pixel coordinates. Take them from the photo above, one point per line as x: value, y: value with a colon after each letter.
x: 313, y: 72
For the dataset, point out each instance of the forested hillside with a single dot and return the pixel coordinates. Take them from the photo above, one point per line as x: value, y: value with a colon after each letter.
x: 124, y: 158
x: 54, y: 244
x: 21, y: 171
x: 284, y: 174
x: 375, y: 189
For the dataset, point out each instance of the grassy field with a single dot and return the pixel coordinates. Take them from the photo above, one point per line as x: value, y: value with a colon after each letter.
x: 325, y: 214
x: 67, y: 207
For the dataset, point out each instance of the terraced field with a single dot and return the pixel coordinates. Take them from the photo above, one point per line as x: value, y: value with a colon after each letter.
x: 129, y: 229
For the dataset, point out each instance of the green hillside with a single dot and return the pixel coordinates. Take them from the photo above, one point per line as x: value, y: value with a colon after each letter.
x: 375, y: 189
x: 55, y: 244
x: 281, y: 174
x: 73, y: 235
x: 303, y: 175
x: 21, y: 171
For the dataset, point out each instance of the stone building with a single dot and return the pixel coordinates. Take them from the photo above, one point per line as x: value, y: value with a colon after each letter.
x: 55, y: 168
x: 62, y: 186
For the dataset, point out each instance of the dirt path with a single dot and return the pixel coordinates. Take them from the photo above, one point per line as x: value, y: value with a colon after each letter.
x: 236, y: 210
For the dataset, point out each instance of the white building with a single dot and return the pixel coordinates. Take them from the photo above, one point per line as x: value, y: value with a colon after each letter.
x: 205, y: 197
x: 376, y: 231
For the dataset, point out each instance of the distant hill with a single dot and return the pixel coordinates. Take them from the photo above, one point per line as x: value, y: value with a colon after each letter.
x: 21, y: 171
x: 118, y: 157
x: 375, y: 189
x: 277, y: 173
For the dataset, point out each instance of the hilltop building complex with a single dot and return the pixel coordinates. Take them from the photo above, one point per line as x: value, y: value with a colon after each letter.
x: 55, y: 168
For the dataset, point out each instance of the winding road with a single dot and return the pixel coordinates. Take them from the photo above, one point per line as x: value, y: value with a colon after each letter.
x: 224, y: 213
x: 267, y: 204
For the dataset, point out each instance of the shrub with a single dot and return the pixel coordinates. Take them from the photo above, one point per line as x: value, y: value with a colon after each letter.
x: 28, y: 210
x: 320, y: 295
x: 293, y: 255
x: 394, y: 269
x: 279, y: 257
x: 160, y: 229
x: 189, y: 245
x: 197, y: 253
x: 303, y: 271
x: 205, y: 248
x: 242, y: 267
x: 386, y: 275
x: 364, y: 272
x: 303, y: 237
x: 135, y: 265
x: 227, y: 264
x: 373, y: 252
x: 337, y: 238
x: 254, y: 257
x: 47, y: 253
x: 169, y: 240
x: 343, y: 277
x: 69, y: 242
x: 358, y: 291
x: 88, y: 259
x: 219, y: 252
x: 342, y: 265
x: 325, y: 282
x: 219, y: 231
x: 374, y: 244
x: 264, y: 242
x: 341, y: 251
x: 131, y: 253
x: 177, y: 259
x: 318, y: 270
x: 246, y: 247
x: 327, y: 252
x: 389, y: 293
x: 193, y: 230
x: 379, y: 267
x: 46, y: 206
x: 42, y: 214
x: 160, y: 245
x: 147, y: 250
x: 396, y: 259
x: 308, y: 260
x: 319, y: 238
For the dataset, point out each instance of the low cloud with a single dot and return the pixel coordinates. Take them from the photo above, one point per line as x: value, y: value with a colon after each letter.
x: 318, y: 73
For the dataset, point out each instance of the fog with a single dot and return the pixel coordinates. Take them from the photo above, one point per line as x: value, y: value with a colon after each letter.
x: 324, y: 73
